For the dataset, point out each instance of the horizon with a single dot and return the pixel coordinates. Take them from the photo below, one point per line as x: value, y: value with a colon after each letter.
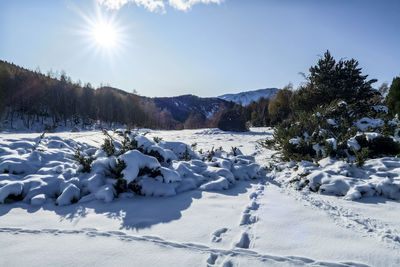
x: 204, y: 48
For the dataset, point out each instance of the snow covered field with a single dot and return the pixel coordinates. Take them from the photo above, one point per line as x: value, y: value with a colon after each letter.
x: 255, y: 222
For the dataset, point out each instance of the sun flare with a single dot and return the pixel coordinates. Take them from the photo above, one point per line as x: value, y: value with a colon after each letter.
x: 105, y: 34
x: 102, y: 33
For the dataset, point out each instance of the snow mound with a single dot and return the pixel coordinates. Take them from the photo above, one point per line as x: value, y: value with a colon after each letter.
x: 135, y: 161
x: 378, y: 177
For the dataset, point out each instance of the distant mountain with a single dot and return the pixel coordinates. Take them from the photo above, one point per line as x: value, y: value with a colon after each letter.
x: 182, y: 106
x: 247, y: 97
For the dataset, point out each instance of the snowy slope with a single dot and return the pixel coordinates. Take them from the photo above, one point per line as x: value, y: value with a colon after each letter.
x: 259, y: 222
x: 182, y: 106
x: 247, y: 97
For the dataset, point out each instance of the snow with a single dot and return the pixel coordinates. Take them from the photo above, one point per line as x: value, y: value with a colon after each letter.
x: 38, y: 199
x: 245, y: 98
x: 69, y: 194
x: 365, y: 123
x: 295, y: 141
x: 105, y: 193
x: 219, y: 184
x: 10, y: 189
x: 380, y: 108
x: 331, y: 122
x: 353, y: 144
x: 46, y: 166
x: 223, y: 212
x: 135, y: 161
x: 332, y: 141
x: 371, y: 135
x: 378, y: 177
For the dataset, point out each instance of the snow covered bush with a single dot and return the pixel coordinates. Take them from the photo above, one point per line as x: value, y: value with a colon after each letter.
x: 159, y: 168
x: 62, y: 171
x: 337, y: 130
x: 378, y: 145
x: 378, y: 177
x: 108, y: 147
x: 335, y: 147
x: 84, y: 161
x: 361, y: 156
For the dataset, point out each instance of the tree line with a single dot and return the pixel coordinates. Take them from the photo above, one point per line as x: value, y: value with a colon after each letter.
x: 328, y: 81
x: 34, y: 97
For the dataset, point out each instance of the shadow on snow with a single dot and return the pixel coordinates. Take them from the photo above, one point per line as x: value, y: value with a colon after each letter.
x: 135, y: 213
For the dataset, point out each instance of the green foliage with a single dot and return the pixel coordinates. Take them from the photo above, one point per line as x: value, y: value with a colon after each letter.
x: 393, y: 98
x: 330, y: 80
x: 361, y: 156
x: 234, y: 151
x: 108, y: 147
x: 210, y: 154
x: 301, y: 151
x: 233, y: 119
x: 125, y: 145
x: 4, y: 87
x: 156, y: 154
x: 319, y: 113
x: 268, y: 143
x: 317, y: 131
x: 116, y: 173
x: 388, y: 129
x: 257, y: 113
x: 85, y: 162
x: 193, y: 146
x: 379, y: 146
x: 186, y: 155
x: 157, y: 139
x: 41, y: 137
x: 279, y: 108
x: 328, y: 149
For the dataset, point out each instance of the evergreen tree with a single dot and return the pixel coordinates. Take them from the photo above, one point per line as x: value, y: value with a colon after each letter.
x: 393, y: 98
x: 233, y: 120
x: 279, y: 108
x: 330, y: 80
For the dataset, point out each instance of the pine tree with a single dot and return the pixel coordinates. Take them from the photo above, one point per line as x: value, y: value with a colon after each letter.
x: 393, y: 98
x: 279, y: 108
x: 330, y: 80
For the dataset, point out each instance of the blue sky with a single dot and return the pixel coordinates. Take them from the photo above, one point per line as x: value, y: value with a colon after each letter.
x: 186, y: 46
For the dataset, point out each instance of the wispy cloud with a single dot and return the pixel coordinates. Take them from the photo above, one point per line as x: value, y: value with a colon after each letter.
x: 157, y: 5
x: 187, y: 4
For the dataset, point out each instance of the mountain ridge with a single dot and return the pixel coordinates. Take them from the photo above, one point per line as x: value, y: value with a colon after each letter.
x: 246, y: 97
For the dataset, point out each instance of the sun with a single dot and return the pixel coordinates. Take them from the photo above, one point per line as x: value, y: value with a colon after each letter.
x: 105, y: 34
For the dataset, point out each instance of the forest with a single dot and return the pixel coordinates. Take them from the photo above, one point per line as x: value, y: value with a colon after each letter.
x: 54, y: 99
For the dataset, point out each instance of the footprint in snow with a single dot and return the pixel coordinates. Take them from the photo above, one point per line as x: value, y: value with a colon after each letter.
x: 253, y: 195
x: 227, y: 263
x: 244, y: 241
x: 248, y: 219
x: 216, y: 236
x: 212, y: 259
